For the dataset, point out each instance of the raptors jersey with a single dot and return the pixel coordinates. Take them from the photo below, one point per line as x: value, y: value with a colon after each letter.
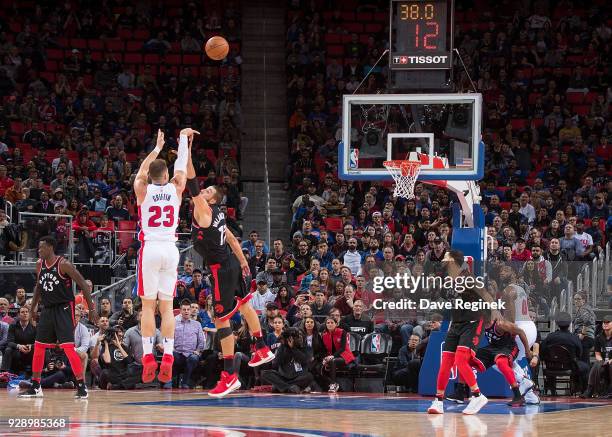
x: 159, y: 213
x: 210, y: 242
x: 499, y: 340
x: 55, y: 289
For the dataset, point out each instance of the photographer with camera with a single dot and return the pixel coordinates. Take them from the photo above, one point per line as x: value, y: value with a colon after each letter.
x: 292, y: 375
x: 115, y: 361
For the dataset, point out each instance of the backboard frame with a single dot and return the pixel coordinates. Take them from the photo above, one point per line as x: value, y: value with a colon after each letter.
x: 475, y: 99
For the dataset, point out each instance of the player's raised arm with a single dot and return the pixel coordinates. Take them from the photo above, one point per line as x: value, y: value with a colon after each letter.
x: 235, y: 245
x: 73, y: 273
x: 201, y: 211
x: 141, y: 181
x: 183, y: 155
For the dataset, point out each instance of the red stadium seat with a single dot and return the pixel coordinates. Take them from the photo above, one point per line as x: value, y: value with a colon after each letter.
x: 132, y: 58
x: 125, y: 34
x: 48, y: 76
x: 172, y: 59
x: 583, y: 110
x: 151, y: 58
x: 96, y: 44
x: 518, y: 123
x: 78, y: 43
x: 353, y: 27
x: 335, y: 50
x: 505, y: 205
x: 364, y: 16
x: 590, y: 97
x: 192, y: 59
x: 373, y: 27
x: 134, y: 46
x: 57, y: 54
x: 127, y: 225
x: 141, y: 34
x: 574, y: 98
x: 333, y: 224
x: 115, y: 45
x: 18, y: 128
x: 333, y: 38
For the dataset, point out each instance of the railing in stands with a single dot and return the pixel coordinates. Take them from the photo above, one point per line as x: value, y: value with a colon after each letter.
x: 39, y: 225
x: 8, y: 210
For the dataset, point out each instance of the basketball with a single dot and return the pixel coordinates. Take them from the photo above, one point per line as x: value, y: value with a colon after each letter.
x: 217, y: 48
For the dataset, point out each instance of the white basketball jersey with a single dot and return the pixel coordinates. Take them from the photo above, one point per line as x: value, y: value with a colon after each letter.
x: 521, y: 305
x: 159, y: 213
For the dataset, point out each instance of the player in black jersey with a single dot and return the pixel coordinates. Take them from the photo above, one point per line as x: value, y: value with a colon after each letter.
x: 54, y: 290
x: 462, y: 337
x: 211, y: 239
x: 502, y: 350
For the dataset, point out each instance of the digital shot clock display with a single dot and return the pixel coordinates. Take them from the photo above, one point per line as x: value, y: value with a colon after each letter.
x: 420, y: 35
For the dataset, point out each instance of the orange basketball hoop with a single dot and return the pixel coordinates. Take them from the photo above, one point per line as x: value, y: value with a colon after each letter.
x: 405, y: 174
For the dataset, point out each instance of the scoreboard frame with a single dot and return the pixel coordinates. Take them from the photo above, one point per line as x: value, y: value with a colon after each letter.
x: 418, y: 56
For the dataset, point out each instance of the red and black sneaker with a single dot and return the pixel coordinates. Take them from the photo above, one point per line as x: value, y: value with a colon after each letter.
x: 261, y: 356
x: 149, y: 367
x: 165, y: 369
x: 227, y: 384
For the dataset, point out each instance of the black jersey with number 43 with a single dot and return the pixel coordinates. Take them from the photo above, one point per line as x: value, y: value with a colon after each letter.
x: 210, y: 242
x: 55, y: 289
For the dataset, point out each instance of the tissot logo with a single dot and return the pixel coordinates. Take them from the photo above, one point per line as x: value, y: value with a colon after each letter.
x: 427, y: 59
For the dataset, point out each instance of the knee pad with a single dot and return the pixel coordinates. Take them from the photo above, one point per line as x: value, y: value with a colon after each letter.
x: 224, y: 332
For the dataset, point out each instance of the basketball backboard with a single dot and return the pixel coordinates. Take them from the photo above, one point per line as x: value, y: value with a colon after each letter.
x: 383, y: 127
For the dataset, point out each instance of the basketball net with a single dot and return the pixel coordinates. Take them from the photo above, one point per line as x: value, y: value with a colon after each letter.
x: 405, y: 174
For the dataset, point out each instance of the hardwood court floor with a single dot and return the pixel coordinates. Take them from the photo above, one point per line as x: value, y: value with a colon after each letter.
x: 193, y: 413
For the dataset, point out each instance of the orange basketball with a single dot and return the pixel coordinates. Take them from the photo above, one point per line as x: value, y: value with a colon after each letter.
x: 217, y: 48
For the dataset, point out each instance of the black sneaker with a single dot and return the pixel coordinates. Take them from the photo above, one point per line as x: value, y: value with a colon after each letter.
x: 517, y: 401
x: 458, y: 396
x: 35, y: 391
x: 81, y: 392
x: 588, y: 393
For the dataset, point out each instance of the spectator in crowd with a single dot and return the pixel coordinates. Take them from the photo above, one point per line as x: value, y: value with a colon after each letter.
x: 187, y: 276
x: 584, y: 325
x: 337, y: 351
x: 357, y: 321
x: 189, y: 343
x: 116, y: 211
x: 406, y: 372
x: 82, y: 336
x: 126, y: 318
x: 4, y: 330
x: 20, y: 298
x: 262, y: 296
x: 20, y: 343
x: 563, y: 337
x: 273, y: 338
x: 105, y: 308
x: 4, y: 309
x: 600, y: 376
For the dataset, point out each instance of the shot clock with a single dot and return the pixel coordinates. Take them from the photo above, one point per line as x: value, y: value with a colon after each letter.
x: 421, y: 34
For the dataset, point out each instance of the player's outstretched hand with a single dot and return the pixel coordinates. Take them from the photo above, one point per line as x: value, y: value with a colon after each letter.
x: 160, y: 140
x: 189, y: 132
x: 246, y: 271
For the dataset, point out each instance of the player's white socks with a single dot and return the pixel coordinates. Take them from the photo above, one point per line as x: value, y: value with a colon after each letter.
x: 168, y: 345
x: 147, y: 345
